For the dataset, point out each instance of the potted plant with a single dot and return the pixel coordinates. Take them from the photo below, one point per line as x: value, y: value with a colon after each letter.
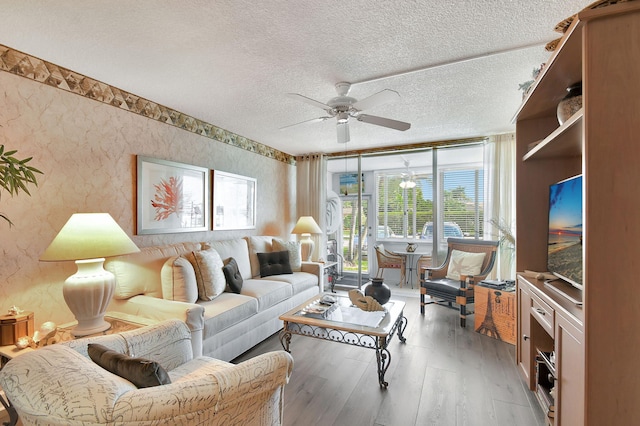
x: 15, y: 175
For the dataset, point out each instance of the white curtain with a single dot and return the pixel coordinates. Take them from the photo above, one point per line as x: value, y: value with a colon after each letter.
x: 500, y: 211
x: 311, y: 194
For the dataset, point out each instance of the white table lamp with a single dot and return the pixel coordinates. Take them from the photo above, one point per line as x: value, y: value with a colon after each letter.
x: 306, y: 226
x: 87, y: 238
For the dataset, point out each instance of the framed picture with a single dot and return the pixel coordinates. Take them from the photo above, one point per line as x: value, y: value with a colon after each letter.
x: 234, y: 201
x: 172, y: 197
x: 349, y: 183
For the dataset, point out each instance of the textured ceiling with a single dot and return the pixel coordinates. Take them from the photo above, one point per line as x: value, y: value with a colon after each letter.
x: 232, y: 62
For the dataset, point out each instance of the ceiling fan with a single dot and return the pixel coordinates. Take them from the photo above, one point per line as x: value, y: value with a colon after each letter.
x: 343, y: 107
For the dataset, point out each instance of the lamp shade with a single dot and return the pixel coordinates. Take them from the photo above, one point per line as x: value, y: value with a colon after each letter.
x: 89, y: 236
x: 306, y: 225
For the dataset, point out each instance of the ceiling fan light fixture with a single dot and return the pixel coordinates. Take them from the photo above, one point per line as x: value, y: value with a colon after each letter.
x: 408, y: 178
x: 342, y: 107
x: 407, y: 183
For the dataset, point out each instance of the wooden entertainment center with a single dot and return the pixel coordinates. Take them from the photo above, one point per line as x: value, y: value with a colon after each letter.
x: 587, y: 353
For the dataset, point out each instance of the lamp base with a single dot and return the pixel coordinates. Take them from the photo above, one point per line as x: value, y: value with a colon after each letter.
x: 88, y: 293
x: 86, y: 330
x: 306, y: 247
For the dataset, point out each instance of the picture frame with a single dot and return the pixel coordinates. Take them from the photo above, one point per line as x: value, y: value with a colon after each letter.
x: 349, y: 183
x: 172, y: 197
x: 234, y: 201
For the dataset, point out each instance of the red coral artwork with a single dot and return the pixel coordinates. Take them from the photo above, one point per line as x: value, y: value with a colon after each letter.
x: 168, y: 198
x: 172, y: 197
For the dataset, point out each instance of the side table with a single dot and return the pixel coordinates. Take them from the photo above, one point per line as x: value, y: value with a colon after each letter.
x: 331, y: 269
x: 495, y: 314
x: 119, y: 322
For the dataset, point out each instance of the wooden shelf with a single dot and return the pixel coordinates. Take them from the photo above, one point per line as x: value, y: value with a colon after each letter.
x: 565, y: 141
x: 565, y: 67
x: 601, y: 50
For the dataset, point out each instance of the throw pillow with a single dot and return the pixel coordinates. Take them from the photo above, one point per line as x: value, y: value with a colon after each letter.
x: 232, y: 275
x: 295, y: 252
x: 464, y: 263
x: 274, y: 263
x: 207, y: 265
x: 141, y: 372
x: 179, y: 280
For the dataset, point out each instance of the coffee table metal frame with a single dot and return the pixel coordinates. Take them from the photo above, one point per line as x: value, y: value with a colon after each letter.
x: 377, y: 338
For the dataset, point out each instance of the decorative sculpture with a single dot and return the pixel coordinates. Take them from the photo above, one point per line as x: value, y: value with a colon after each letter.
x: 40, y: 338
x: 366, y: 303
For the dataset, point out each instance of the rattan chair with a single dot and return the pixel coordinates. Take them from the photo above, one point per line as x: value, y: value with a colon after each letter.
x: 388, y: 260
x: 434, y: 281
x: 424, y: 261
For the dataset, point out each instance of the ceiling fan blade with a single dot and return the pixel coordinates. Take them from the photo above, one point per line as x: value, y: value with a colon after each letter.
x: 379, y: 98
x: 309, y: 101
x: 313, y: 120
x: 343, y: 132
x: 384, y: 122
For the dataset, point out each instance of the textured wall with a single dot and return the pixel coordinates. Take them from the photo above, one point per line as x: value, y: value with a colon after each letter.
x: 87, y: 152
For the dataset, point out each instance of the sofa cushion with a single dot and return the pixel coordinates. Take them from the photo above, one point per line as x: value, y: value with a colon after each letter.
x: 274, y: 263
x: 267, y: 292
x: 464, y: 263
x: 207, y: 265
x: 227, y: 310
x: 294, y: 249
x: 232, y: 275
x: 238, y: 249
x: 179, y: 280
x: 258, y: 244
x: 299, y: 281
x: 140, y: 273
x: 141, y: 372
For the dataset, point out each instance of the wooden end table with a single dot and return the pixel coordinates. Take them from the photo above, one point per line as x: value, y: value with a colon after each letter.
x: 350, y: 325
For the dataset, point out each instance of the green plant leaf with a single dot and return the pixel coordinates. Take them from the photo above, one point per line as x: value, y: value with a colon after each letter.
x: 15, y: 175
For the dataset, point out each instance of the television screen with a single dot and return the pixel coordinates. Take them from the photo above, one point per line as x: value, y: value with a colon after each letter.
x: 564, y: 246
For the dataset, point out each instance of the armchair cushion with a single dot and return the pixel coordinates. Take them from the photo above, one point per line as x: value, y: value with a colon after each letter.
x: 463, y: 263
x: 274, y: 263
x: 442, y: 286
x: 233, y: 275
x: 141, y: 372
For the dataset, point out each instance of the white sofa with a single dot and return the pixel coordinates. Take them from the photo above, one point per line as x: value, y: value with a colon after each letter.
x: 61, y: 385
x: 230, y: 324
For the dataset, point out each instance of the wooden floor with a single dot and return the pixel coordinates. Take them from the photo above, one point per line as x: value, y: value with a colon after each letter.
x: 443, y: 375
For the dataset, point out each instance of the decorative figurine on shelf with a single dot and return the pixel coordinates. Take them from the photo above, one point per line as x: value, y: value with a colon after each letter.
x: 14, y: 310
x: 366, y: 303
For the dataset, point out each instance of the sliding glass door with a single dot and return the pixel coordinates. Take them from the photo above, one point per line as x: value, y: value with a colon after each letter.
x: 356, y: 244
x: 421, y: 196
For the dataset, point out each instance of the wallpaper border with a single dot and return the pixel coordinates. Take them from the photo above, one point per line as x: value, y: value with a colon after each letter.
x: 25, y: 65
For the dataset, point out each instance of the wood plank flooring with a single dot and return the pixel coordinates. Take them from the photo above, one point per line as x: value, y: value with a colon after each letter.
x: 442, y: 375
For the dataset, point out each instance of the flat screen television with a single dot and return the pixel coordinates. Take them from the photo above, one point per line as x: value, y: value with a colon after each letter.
x: 564, y: 244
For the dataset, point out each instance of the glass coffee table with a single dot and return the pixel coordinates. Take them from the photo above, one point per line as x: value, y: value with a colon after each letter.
x: 345, y: 323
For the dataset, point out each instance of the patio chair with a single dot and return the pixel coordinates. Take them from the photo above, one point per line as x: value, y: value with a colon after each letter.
x: 388, y: 260
x: 467, y: 263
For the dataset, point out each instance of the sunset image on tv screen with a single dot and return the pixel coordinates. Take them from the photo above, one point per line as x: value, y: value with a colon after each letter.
x: 565, y: 230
